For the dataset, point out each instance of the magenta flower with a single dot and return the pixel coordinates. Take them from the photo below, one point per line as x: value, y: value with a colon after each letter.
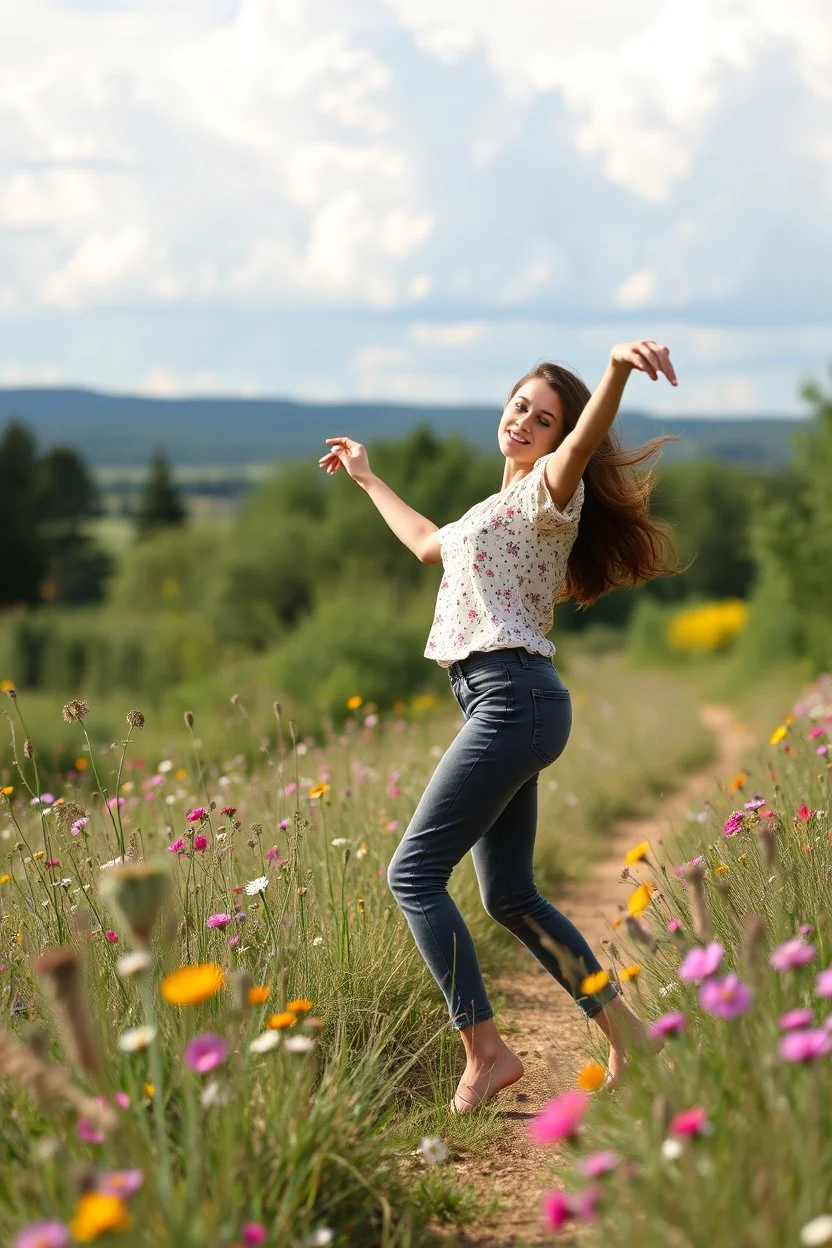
x: 196, y: 814
x: 205, y: 1052
x: 122, y: 1100
x: 559, y: 1119
x: 814, y: 733
x: 701, y: 961
x: 691, y: 1121
x: 272, y: 853
x: 805, y: 812
x: 728, y: 997
x: 755, y: 803
x: 823, y: 983
x: 597, y: 1164
x: 52, y: 862
x: 805, y: 1046
x: 585, y: 1203
x: 121, y: 1183
x: 200, y: 844
x: 289, y: 788
x: 557, y: 1209
x: 88, y: 1133
x: 667, y: 1025
x: 78, y: 825
x: 229, y: 811
x: 733, y: 823
x: 177, y: 846
x: 43, y: 1235
x: 254, y: 1233
x: 233, y: 942
x: 218, y: 920
x: 796, y: 1018
x: 283, y: 825
x: 114, y: 803
x: 111, y: 936
x: 674, y: 925
x: 791, y: 954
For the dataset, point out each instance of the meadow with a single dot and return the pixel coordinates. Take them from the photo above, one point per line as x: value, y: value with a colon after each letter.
x: 219, y: 1028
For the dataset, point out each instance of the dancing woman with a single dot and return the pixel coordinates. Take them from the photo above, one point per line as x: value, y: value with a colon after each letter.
x: 569, y: 522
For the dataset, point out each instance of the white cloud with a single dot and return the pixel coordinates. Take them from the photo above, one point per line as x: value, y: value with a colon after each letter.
x: 462, y: 334
x: 168, y: 383
x: 638, y: 289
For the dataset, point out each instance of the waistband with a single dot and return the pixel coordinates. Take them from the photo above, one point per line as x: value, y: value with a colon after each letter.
x: 517, y: 656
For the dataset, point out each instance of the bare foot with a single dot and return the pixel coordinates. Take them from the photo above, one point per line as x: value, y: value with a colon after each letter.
x: 484, y: 1078
x: 618, y: 1058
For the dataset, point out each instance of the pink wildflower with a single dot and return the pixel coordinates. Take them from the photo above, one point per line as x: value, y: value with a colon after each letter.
x: 597, y: 1164
x: 50, y: 1234
x: 196, y: 814
x: 272, y: 853
x: 693, y: 862
x: 728, y: 997
x: 111, y: 936
x: 805, y: 1046
x: 229, y: 811
x: 805, y: 812
x: 814, y: 733
x: 234, y: 942
x: 88, y: 1133
x: 823, y: 983
x: 289, y: 788
x: 691, y: 1121
x: 796, y: 1018
x: 78, y: 825
x: 755, y: 803
x: 283, y: 825
x: 120, y: 1183
x: 205, y: 1052
x: 674, y: 925
x: 559, y: 1119
x: 218, y: 920
x: 557, y: 1209
x: 114, y: 803
x: 733, y: 823
x: 52, y: 862
x: 254, y: 1233
x: 668, y: 1025
x: 701, y: 961
x: 200, y: 844
x: 791, y: 954
x: 177, y: 846
x: 122, y: 1100
x: 584, y: 1204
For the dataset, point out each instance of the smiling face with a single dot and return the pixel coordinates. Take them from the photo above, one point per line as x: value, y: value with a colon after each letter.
x: 533, y: 423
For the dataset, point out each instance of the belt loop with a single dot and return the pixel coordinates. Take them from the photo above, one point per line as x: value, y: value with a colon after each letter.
x: 523, y: 656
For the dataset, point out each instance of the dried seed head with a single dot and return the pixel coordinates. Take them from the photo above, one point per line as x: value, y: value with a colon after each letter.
x: 137, y: 890
x: 75, y: 710
x: 69, y: 813
x: 695, y: 877
x: 241, y: 983
x: 767, y: 834
x: 189, y: 719
x: 61, y: 971
x: 28, y: 749
x: 640, y: 932
x: 751, y: 950
x: 277, y: 708
x: 235, y: 699
x: 12, y: 693
x: 135, y: 719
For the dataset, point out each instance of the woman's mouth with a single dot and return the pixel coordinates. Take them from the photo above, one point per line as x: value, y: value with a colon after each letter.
x: 516, y: 438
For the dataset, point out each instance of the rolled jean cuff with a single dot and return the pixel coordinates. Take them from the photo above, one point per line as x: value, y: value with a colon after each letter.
x: 468, y: 1020
x: 594, y: 1004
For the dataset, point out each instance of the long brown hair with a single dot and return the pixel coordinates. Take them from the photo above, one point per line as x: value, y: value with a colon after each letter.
x: 618, y: 543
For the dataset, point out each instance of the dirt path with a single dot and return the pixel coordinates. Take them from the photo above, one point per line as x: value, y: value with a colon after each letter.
x: 544, y: 1027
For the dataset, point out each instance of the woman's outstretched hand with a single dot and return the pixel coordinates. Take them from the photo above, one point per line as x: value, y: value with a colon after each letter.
x: 351, y: 454
x: 647, y: 356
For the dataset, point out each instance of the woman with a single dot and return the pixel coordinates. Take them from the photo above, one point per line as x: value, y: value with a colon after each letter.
x: 570, y: 521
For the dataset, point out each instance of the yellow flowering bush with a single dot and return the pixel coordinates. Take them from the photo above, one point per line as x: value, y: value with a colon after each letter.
x: 712, y: 626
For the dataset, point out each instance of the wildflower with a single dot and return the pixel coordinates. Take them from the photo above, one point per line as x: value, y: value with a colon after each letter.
x: 738, y: 781
x: 272, y: 853
x: 318, y: 790
x: 120, y: 1182
x: 591, y: 1076
x: 51, y: 1234
x: 205, y: 1052
x: 354, y: 702
x: 299, y: 1005
x: 674, y: 925
x: 639, y: 900
x: 136, y: 1038
x: 218, y: 920
x: 433, y: 1150
x: 317, y: 940
x: 278, y: 1021
x: 75, y: 710
x: 320, y: 1238
x: 264, y: 1042
x: 191, y: 984
x: 559, y: 1119
x: 728, y: 997
x: 778, y: 735
x: 77, y: 826
x: 122, y: 1100
x: 594, y: 983
x: 338, y: 841
x: 135, y: 719
x: 795, y: 1018
x: 557, y: 1209
x: 815, y: 1233
x: 283, y: 825
x: 115, y: 802
x: 701, y: 961
x: 629, y: 972
x: 196, y: 814
x: 637, y: 854
x: 805, y: 1046
x: 95, y: 1214
x: 672, y: 1149
x: 254, y: 1233
x: 88, y: 1133
x: 668, y: 1025
x: 214, y: 1093
x: 805, y: 812
x: 791, y: 954
x: 299, y: 1044
x: 755, y: 803
x: 200, y: 844
x: 733, y: 823
x: 258, y: 885
x: 7, y: 790
x: 229, y: 811
x: 690, y: 1122
x: 598, y: 1164
x: 256, y: 996
x: 149, y: 1090
x: 823, y: 983
x: 4, y: 878
x: 134, y: 963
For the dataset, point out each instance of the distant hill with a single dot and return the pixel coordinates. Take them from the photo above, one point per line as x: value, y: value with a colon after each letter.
x: 122, y: 430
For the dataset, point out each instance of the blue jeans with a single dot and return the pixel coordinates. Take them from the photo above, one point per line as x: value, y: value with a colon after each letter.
x: 483, y: 797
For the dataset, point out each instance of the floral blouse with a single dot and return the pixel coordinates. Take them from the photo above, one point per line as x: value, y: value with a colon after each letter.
x: 504, y: 562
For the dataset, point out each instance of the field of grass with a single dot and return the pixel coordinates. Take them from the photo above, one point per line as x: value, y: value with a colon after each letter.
x: 272, y: 1092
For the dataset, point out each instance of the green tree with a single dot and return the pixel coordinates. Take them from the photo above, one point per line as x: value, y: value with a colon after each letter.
x: 23, y: 554
x: 64, y: 488
x: 160, y: 505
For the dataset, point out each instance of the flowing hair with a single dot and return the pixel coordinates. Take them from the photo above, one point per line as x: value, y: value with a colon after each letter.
x: 618, y: 544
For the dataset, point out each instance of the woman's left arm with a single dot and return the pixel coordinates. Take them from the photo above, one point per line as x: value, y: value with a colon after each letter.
x: 566, y: 466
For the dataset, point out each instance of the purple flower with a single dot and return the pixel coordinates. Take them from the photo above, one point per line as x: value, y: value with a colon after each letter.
x: 728, y: 997
x: 196, y: 814
x: 218, y: 920
x: 205, y: 1052
x: 805, y: 1046
x: 667, y: 1025
x: 701, y: 961
x: 88, y: 1133
x: 674, y: 925
x: 733, y: 823
x: 254, y: 1233
x: 200, y: 844
x: 796, y: 1018
x: 597, y: 1164
x: 78, y: 825
x: 120, y: 1183
x: 283, y: 825
x: 791, y: 954
x: 755, y: 803
x: 823, y: 983
x: 177, y: 846
x: 43, y: 1235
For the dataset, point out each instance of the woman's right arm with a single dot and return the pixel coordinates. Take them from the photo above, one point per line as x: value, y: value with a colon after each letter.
x: 414, y: 530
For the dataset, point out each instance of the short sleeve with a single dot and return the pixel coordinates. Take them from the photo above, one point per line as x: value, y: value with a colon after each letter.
x: 538, y: 506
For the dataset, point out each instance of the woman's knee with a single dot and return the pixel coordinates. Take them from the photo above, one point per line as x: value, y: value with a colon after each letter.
x: 506, y: 908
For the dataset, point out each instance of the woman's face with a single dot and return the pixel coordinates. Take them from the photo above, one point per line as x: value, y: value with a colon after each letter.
x: 532, y: 424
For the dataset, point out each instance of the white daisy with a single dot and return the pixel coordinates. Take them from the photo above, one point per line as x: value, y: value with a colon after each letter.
x: 320, y: 1238
x: 264, y: 1042
x: 133, y: 963
x: 672, y: 1149
x: 114, y: 862
x: 136, y: 1038
x: 338, y: 841
x: 818, y: 1231
x: 257, y: 886
x: 299, y: 1044
x: 433, y: 1150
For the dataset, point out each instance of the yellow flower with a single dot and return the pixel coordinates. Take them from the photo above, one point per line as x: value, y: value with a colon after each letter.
x: 354, y: 702
x: 278, y: 1021
x: 788, y: 719
x: 640, y: 899
x: 778, y: 735
x: 4, y: 879
x: 712, y: 626
x: 81, y: 764
x: 594, y: 983
x: 8, y: 790
x: 149, y: 1089
x: 591, y: 1077
x: 191, y: 984
x: 721, y: 868
x: 318, y: 790
x: 39, y: 853
x: 739, y: 780
x: 360, y: 905
x: 256, y: 996
x: 95, y: 1214
x: 181, y: 773
x: 743, y: 858
x: 629, y: 972
x: 638, y: 854
x: 6, y: 685
x: 299, y: 1006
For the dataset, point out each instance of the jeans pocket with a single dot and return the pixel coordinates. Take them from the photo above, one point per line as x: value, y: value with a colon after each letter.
x: 551, y: 722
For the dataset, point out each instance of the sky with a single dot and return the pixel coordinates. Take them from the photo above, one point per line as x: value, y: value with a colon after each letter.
x: 416, y: 200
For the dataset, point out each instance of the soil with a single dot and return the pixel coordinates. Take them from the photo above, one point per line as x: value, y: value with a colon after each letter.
x: 540, y: 1022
